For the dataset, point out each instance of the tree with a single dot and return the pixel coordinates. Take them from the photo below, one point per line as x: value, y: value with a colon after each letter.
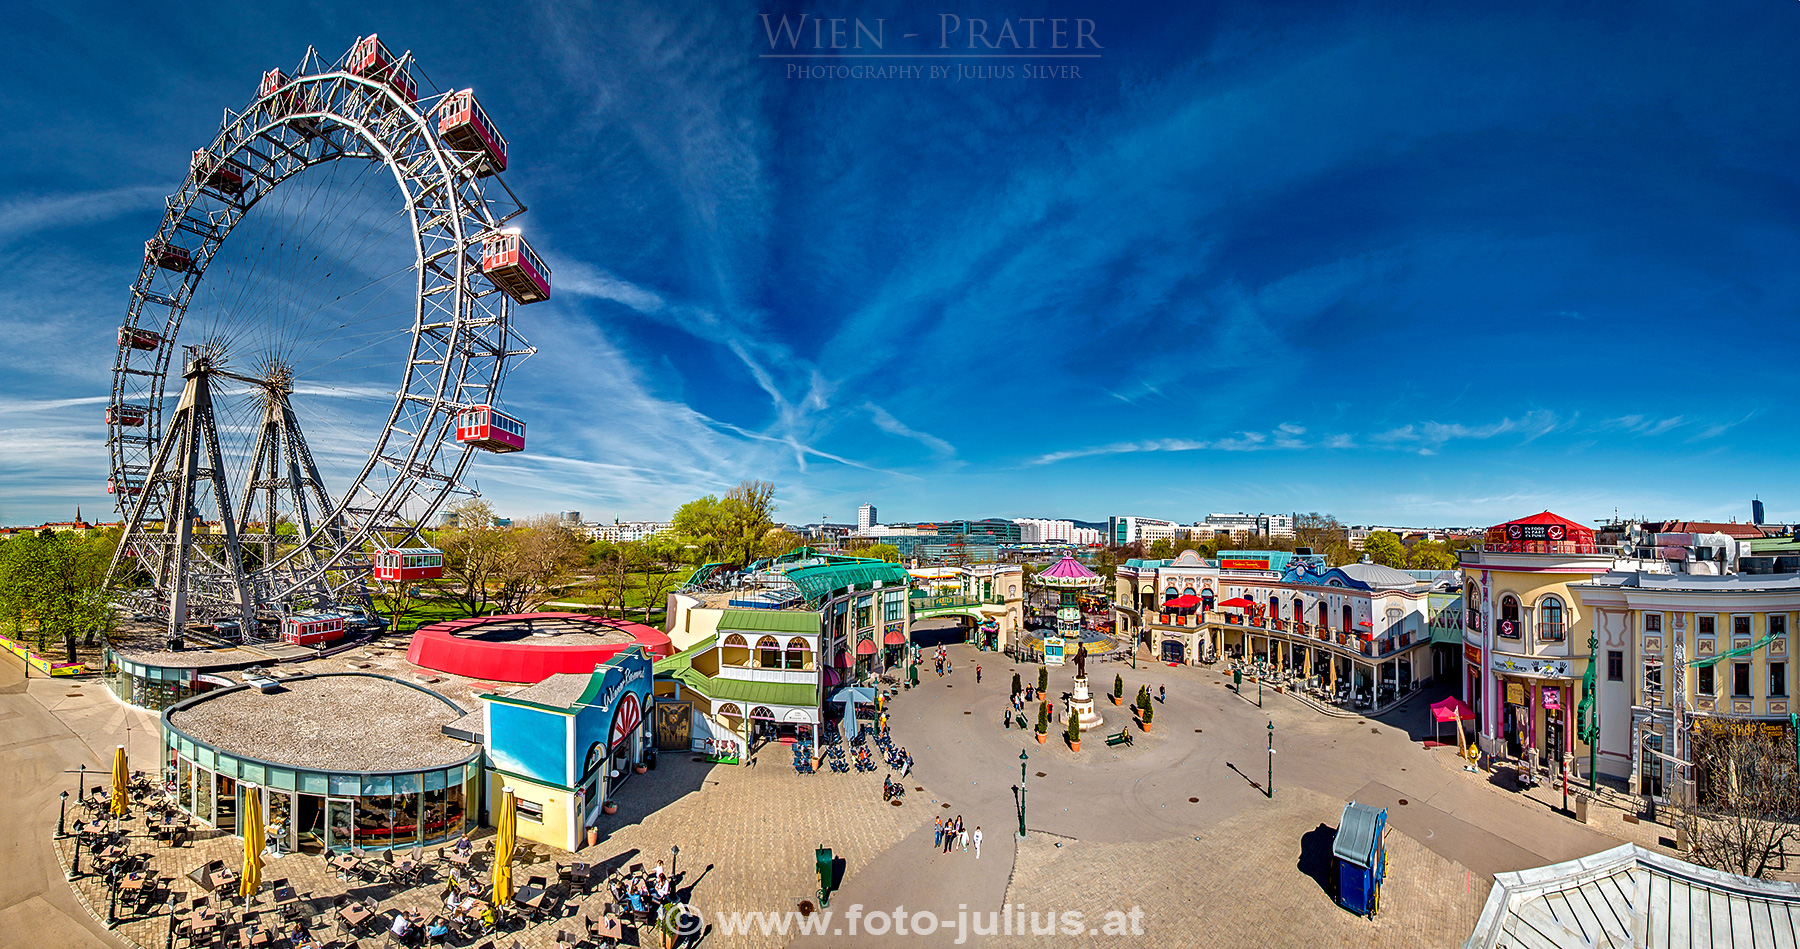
x: 55, y: 583
x: 616, y: 563
x: 1043, y: 726
x: 1384, y: 548
x: 732, y: 529
x: 1017, y: 688
x: 1074, y: 728
x: 887, y: 552
x: 542, y: 556
x: 1162, y: 549
x: 475, y: 554
x: 1325, y: 535
x: 1745, y: 812
x: 1118, y: 686
x: 1043, y: 679
x: 661, y: 572
x: 1431, y: 555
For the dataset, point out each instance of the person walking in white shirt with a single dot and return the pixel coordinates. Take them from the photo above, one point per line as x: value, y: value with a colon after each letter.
x: 977, y: 839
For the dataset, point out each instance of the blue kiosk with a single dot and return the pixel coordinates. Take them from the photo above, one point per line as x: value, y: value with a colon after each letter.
x: 1361, y: 858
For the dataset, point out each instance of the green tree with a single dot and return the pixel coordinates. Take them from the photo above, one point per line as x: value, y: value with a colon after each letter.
x: 1043, y: 726
x: 1043, y: 679
x: 1118, y: 686
x: 1074, y: 727
x: 1431, y: 555
x: 1325, y: 535
x: 1162, y: 548
x: 1017, y: 688
x: 1384, y: 548
x: 887, y: 552
x: 54, y: 584
x: 734, y: 528
x: 476, y: 555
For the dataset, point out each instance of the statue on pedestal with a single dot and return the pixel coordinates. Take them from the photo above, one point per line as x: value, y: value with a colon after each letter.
x: 1081, y: 655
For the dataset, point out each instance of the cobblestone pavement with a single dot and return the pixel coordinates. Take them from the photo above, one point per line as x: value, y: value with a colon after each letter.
x: 1177, y: 825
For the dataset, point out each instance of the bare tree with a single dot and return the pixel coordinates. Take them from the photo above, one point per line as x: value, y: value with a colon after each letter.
x: 475, y: 555
x: 1745, y: 802
x: 540, y: 564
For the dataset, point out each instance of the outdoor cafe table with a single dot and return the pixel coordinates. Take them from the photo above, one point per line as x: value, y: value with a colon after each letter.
x: 224, y: 878
x: 459, y: 859
x: 610, y: 928
x: 249, y: 939
x: 530, y: 897
x: 286, y: 896
x: 134, y: 882
x: 579, y: 873
x: 199, y: 922
x: 343, y: 863
x: 354, y: 914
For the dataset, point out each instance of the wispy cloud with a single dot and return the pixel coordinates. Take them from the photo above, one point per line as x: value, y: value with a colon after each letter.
x: 1430, y: 436
x: 885, y: 421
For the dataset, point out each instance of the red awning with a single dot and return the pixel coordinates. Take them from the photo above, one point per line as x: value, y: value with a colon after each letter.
x: 1237, y: 602
x: 866, y: 648
x: 1364, y: 623
x: 894, y: 637
x: 844, y: 661
x: 1184, y: 602
x: 1451, y: 709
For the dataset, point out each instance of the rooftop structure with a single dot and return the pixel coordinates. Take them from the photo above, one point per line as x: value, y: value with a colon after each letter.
x: 529, y: 647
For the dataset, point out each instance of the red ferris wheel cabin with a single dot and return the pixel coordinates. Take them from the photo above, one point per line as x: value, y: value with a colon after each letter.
x: 400, y: 564
x: 168, y: 256
x: 116, y: 486
x: 215, y: 174
x: 130, y: 415
x: 137, y: 338
x: 513, y: 267
x: 484, y: 426
x: 371, y: 59
x: 465, y: 126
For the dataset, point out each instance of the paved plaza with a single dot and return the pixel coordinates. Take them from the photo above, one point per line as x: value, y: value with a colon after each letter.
x: 1176, y: 827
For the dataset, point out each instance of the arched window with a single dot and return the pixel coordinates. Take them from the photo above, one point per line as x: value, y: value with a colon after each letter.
x: 768, y: 653
x: 1274, y: 607
x: 734, y: 651
x: 1508, y: 625
x: 1299, y: 610
x: 1170, y: 594
x: 799, y: 654
x: 1550, y: 619
x: 1347, y: 618
x: 1324, y: 617
x: 1187, y: 591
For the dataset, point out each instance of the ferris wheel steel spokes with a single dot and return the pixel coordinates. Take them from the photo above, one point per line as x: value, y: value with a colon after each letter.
x: 322, y: 305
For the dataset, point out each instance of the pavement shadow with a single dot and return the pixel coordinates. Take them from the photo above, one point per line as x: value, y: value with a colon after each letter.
x: 676, y: 776
x: 1413, y: 716
x: 932, y: 637
x: 1315, y: 857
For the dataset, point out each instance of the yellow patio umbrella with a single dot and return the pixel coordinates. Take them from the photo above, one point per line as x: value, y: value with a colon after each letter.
x: 503, y: 849
x: 251, y: 879
x: 121, y: 777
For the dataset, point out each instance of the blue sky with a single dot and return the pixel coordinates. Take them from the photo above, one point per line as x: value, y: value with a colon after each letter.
x: 1419, y: 264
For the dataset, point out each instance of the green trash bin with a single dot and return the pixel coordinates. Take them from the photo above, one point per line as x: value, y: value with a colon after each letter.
x: 1237, y: 679
x: 823, y: 855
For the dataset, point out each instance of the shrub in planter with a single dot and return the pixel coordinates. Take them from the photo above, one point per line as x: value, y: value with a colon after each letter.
x: 1017, y: 688
x: 1043, y: 727
x: 1043, y: 679
x: 1118, y: 688
x: 1075, y: 732
x: 1147, y: 713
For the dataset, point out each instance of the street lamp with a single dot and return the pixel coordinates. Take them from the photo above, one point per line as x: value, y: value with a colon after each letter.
x: 674, y: 851
x: 61, y: 811
x: 1271, y: 759
x: 170, y: 944
x: 112, y: 901
x: 1023, y: 757
x: 75, y: 865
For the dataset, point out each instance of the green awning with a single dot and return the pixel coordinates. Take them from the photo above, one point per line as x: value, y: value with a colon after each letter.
x: 818, y: 582
x: 720, y: 689
x: 770, y: 621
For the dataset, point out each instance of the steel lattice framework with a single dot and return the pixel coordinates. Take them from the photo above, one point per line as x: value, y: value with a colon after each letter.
x: 461, y: 345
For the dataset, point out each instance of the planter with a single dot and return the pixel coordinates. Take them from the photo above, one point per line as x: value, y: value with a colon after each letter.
x: 1075, y: 746
x: 1143, y: 724
x: 640, y: 769
x: 1042, y: 737
x: 1115, y: 699
x: 609, y: 808
x: 593, y: 836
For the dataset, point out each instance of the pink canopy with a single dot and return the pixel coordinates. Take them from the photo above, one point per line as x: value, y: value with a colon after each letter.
x: 1451, y: 709
x: 1069, y: 568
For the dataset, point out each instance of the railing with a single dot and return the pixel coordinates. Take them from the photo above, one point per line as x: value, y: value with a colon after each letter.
x: 943, y: 602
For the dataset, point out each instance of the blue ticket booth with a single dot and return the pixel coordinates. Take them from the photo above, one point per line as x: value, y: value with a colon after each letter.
x: 1360, y: 857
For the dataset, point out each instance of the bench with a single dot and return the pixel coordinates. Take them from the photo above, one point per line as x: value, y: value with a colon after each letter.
x: 1121, y: 737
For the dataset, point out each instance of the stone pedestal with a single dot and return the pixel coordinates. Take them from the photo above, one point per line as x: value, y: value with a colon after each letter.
x: 1081, y: 705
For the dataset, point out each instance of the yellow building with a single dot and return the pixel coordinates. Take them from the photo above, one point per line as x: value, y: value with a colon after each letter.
x: 1713, y: 650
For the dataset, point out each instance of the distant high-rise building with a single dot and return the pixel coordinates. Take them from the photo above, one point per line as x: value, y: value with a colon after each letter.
x: 571, y: 518
x: 866, y: 517
x: 1756, y: 511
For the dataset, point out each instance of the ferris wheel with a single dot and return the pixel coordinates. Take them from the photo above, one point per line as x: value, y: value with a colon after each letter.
x: 315, y: 345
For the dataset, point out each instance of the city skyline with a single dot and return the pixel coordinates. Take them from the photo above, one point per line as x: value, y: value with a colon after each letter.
x: 1403, y: 267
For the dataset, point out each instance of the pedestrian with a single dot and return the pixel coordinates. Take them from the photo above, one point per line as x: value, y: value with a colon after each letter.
x: 978, y: 673
x: 962, y: 837
x: 1162, y: 694
x: 949, y: 835
x: 937, y: 832
x: 977, y: 840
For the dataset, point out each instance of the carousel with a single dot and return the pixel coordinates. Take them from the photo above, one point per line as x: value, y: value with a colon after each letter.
x: 1064, y: 584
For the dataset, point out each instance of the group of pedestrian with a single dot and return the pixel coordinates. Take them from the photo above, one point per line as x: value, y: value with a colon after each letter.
x: 949, y: 834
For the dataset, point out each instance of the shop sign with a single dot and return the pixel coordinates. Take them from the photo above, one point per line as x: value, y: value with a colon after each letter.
x: 1540, y: 668
x: 1552, y: 697
x: 1550, y: 532
x: 1515, y: 693
x: 1472, y: 653
x: 1237, y: 564
x: 1744, y: 728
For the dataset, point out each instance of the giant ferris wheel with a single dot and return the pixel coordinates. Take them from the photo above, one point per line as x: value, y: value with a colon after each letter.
x: 315, y: 345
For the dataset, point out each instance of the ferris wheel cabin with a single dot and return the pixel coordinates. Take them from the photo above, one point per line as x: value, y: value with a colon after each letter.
x: 168, y: 256
x: 401, y: 564
x: 127, y: 486
x: 214, y: 174
x: 138, y: 339
x: 128, y: 415
x: 371, y: 59
x: 465, y: 126
x: 486, y: 427
x: 309, y: 629
x: 515, y: 268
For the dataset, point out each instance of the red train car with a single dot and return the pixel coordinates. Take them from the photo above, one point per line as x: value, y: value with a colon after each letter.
x: 484, y: 426
x: 215, y: 174
x: 168, y: 256
x: 370, y: 58
x: 400, y: 564
x: 464, y: 125
x: 137, y: 338
x: 132, y: 415
x: 513, y: 267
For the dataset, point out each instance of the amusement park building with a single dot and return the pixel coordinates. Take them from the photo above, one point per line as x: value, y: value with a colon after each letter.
x: 1363, y: 623
x: 1526, y: 640
x: 779, y: 647
x: 988, y: 597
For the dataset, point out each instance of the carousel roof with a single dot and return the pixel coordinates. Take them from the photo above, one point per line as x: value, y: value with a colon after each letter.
x: 1068, y: 570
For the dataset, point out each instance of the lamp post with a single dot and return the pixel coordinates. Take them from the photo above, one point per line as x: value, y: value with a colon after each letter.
x: 112, y: 900
x: 81, y: 787
x: 674, y: 851
x: 170, y: 943
x: 1271, y: 759
x: 1023, y: 757
x: 75, y: 865
x: 62, y: 810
